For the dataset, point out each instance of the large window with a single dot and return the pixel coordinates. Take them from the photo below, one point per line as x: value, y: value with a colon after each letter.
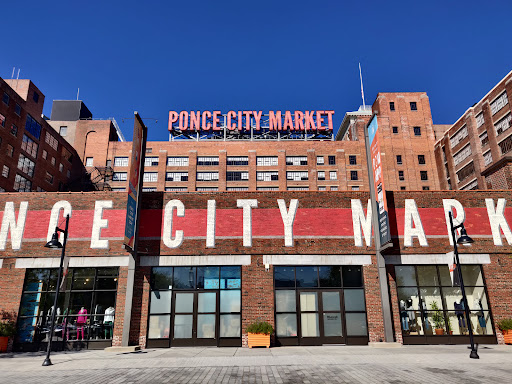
x: 266, y: 161
x: 201, y: 303
x: 296, y: 160
x: 241, y: 160
x: 29, y: 146
x: 26, y: 165
x: 312, y: 301
x: 85, y: 307
x: 33, y: 127
x: 177, y: 161
x: 431, y: 306
x: 237, y: 175
x: 207, y: 160
x: 120, y: 161
x: 22, y: 184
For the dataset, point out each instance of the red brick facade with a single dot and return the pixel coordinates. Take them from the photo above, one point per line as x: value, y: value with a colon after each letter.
x: 257, y: 283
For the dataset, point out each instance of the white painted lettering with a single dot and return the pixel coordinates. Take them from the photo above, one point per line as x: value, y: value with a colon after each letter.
x: 9, y: 222
x: 247, y: 204
x: 210, y: 225
x: 99, y: 223
x: 497, y: 221
x: 288, y: 219
x: 54, y: 218
x: 360, y: 221
x: 448, y: 205
x: 412, y: 217
x: 168, y: 240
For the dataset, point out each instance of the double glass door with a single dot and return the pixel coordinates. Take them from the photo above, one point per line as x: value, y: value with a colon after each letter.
x: 195, y: 318
x: 320, y: 317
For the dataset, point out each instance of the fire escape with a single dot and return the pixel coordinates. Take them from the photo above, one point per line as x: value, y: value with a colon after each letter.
x: 100, y: 177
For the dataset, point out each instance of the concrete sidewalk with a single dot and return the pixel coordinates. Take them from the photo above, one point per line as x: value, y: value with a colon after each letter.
x: 326, y: 364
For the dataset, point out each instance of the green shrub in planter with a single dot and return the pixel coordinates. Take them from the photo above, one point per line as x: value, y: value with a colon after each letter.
x: 505, y: 325
x: 261, y: 327
x: 7, y: 328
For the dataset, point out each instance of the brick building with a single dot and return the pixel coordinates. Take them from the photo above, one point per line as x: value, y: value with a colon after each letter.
x: 475, y: 152
x: 271, y: 163
x: 34, y: 157
x: 303, y: 261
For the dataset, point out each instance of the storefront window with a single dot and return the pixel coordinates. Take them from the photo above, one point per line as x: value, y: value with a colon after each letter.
x: 85, y: 307
x: 213, y: 297
x: 319, y: 302
x: 431, y: 306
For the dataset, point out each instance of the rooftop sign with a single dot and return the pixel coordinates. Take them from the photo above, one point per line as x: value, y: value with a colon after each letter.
x: 297, y: 121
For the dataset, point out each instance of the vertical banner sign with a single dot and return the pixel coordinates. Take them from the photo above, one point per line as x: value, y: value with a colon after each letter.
x: 378, y: 181
x: 135, y: 182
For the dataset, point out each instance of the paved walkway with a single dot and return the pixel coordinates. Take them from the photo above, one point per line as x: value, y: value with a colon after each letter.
x: 327, y: 364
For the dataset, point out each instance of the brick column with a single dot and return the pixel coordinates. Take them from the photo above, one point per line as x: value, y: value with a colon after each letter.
x: 192, y: 170
x: 120, y: 301
x: 373, y: 302
x: 281, y: 163
x: 140, y: 309
x: 257, y: 294
x: 222, y: 170
x: 252, y: 170
x: 11, y: 289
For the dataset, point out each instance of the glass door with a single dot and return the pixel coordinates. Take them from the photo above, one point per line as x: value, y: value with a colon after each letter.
x: 194, y: 319
x: 320, y: 317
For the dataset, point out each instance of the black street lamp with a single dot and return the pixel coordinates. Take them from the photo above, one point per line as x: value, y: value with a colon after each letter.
x: 463, y: 239
x: 55, y: 243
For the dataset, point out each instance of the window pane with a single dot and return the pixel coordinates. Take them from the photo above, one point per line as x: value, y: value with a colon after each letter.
x: 330, y: 276
x: 427, y: 275
x: 435, y: 324
x: 184, y: 303
x: 286, y: 324
x: 411, y: 322
x: 106, y: 282
x: 103, y: 301
x: 30, y: 304
x: 161, y: 278
x: 206, y: 326
x: 285, y: 301
x: 160, y: 302
x: 477, y: 300
x: 307, y: 277
x: 331, y: 301
x: 230, y: 301
x: 408, y: 298
x: 352, y: 276
x: 184, y: 277
x: 356, y: 324
x: 229, y: 325
x: 83, y: 278
x: 80, y: 300
x: 332, y: 324
x: 405, y: 276
x: 451, y: 296
x: 284, y: 276
x: 431, y: 297
x: 208, y: 277
x: 309, y: 325
x: 230, y: 278
x: 444, y: 274
x: 354, y: 300
x: 472, y: 275
x: 182, y: 326
x: 26, y: 329
x: 36, y: 280
x: 308, y: 301
x: 206, y: 302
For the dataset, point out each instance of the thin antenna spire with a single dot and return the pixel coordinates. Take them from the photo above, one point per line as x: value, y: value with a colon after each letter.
x: 13, y: 69
x: 77, y: 93
x: 362, y: 89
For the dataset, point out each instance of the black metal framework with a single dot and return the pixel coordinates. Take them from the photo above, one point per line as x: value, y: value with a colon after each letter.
x: 317, y: 305
x: 94, y: 289
x: 195, y: 306
x: 420, y: 286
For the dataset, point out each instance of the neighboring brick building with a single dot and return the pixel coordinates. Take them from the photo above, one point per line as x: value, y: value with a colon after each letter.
x: 316, y: 281
x: 33, y: 156
x: 476, y: 151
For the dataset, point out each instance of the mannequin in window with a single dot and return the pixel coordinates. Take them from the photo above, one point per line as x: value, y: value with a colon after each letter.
x: 425, y: 318
x: 80, y: 323
x: 480, y: 314
x: 97, y: 320
x: 403, y: 316
x: 459, y: 312
x: 108, y: 322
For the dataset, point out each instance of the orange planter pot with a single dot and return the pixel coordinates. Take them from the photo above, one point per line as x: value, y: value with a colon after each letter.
x: 4, y: 340
x: 258, y: 340
x: 508, y: 337
x: 439, y: 331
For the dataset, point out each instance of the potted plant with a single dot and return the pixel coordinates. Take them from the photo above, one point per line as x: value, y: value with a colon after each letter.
x: 259, y: 334
x: 437, y: 318
x: 7, y: 329
x: 505, y: 327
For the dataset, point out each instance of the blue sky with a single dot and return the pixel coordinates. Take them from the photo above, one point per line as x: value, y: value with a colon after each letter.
x: 156, y: 56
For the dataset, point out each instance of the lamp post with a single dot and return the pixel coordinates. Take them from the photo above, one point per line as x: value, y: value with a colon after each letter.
x: 463, y: 239
x: 55, y: 243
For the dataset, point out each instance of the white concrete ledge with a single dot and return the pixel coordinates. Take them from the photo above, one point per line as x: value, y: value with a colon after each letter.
x: 317, y: 259
x: 128, y: 349
x: 155, y: 261
x: 438, y: 258
x: 385, y: 345
x: 74, y: 262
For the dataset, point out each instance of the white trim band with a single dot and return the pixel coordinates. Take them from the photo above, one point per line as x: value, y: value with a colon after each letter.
x: 1, y: 262
x: 317, y: 259
x: 74, y: 262
x: 439, y: 258
x: 155, y: 261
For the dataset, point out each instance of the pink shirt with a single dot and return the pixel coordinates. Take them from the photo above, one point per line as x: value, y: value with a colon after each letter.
x: 82, y: 319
